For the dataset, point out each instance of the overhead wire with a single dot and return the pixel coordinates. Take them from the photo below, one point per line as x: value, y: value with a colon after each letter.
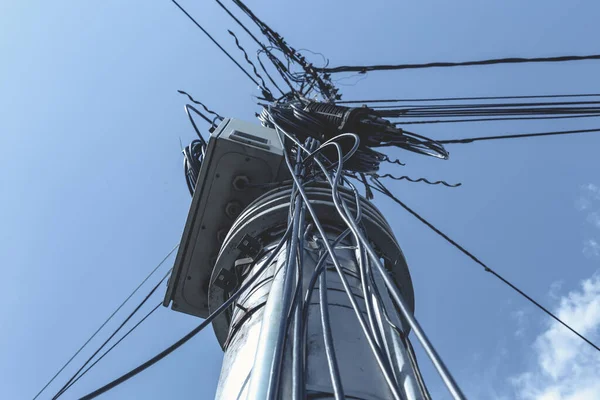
x: 189, y: 107
x: 449, y: 121
x: 386, y: 158
x: 508, y: 60
x: 491, y: 111
x: 193, y: 332
x: 323, y: 82
x: 261, y: 45
x: 202, y: 105
x: 382, y: 189
x: 516, y: 136
x: 133, y: 328
x: 439, y: 99
x: 424, y: 180
x: 216, y: 43
x: 106, y: 321
x: 427, y: 107
x: 263, y: 86
x: 131, y: 314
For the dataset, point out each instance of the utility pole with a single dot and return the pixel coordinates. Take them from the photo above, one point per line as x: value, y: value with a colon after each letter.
x: 321, y: 297
x: 250, y: 337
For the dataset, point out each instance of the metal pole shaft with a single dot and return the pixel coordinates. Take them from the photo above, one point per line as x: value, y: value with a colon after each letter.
x: 268, y: 354
x: 249, y: 353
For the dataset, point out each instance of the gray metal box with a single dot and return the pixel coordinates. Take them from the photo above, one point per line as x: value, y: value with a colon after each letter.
x: 240, y: 157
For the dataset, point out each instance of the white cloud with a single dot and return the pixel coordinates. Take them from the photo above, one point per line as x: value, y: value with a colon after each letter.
x: 555, y: 288
x: 594, y: 218
x: 589, y: 201
x: 583, y: 203
x: 520, y: 317
x: 590, y: 193
x: 591, y: 248
x: 565, y: 366
x: 594, y: 190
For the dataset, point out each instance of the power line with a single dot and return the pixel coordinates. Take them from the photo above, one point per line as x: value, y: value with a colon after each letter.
x: 263, y: 47
x: 544, y: 96
x: 490, y: 110
x: 201, y: 104
x: 65, y: 386
x: 510, y: 60
x: 266, y: 91
x: 194, y: 331
x: 496, y: 119
x: 479, y: 105
x: 516, y: 136
x: 217, y: 43
x: 114, y: 345
x: 106, y: 321
x: 424, y: 180
x: 382, y: 189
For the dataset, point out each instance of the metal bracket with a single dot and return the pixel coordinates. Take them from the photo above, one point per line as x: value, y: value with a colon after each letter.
x: 250, y: 246
x: 227, y: 280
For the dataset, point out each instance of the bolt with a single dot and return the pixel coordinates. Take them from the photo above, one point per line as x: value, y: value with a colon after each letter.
x: 221, y: 234
x: 240, y: 182
x: 233, y: 209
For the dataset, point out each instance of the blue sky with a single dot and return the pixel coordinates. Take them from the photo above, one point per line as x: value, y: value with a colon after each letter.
x: 93, y: 195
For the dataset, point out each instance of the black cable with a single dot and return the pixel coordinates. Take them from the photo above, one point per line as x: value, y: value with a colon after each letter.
x: 263, y: 47
x: 511, y: 60
x: 400, y: 178
x: 65, y: 386
x: 107, y: 320
x: 323, y: 82
x: 269, y: 75
x: 263, y: 86
x: 386, y: 158
x: 189, y: 107
x: 201, y: 104
x: 114, y: 345
x: 382, y: 189
x: 449, y: 121
x: 515, y: 136
x: 426, y: 107
x: 546, y: 96
x: 192, y: 333
x: 489, y: 110
x: 217, y: 43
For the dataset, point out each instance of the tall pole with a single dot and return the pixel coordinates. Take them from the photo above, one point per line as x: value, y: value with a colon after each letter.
x: 297, y: 332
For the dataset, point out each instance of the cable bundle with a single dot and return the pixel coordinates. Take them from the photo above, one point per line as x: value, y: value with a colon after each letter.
x: 324, y: 121
x: 193, y: 155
